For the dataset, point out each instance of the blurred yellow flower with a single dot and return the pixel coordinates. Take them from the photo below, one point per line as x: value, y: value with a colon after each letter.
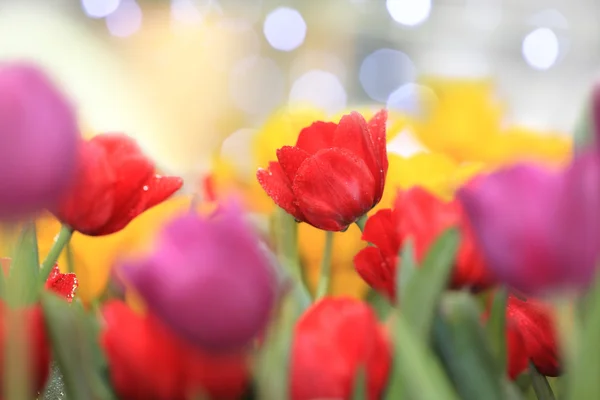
x: 466, y: 124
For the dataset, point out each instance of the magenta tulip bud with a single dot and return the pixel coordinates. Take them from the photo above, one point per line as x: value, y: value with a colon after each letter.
x: 538, y: 229
x: 38, y: 141
x: 209, y: 279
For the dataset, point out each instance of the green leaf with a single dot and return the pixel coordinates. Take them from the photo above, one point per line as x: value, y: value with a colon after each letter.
x: 55, y: 387
x: 419, y: 299
x: 581, y: 344
x: 540, y: 384
x: 496, y: 328
x: 584, y: 134
x: 406, y: 268
x: 379, y: 303
x: 462, y: 344
x: 23, y: 288
x: 273, y: 363
x: 360, y: 385
x: 417, y: 374
x: 74, y: 337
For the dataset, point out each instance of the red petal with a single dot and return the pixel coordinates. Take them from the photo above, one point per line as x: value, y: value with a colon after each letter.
x: 423, y: 217
x: 89, y: 203
x: 132, y: 168
x: 290, y: 159
x: 381, y: 230
x: 377, y: 130
x: 536, y: 324
x: 518, y: 361
x: 62, y: 284
x: 353, y: 134
x: 333, y: 189
x: 375, y: 269
x: 278, y: 188
x: 317, y: 137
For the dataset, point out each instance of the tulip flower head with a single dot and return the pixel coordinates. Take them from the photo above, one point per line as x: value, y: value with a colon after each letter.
x: 38, y: 141
x: 116, y: 182
x: 209, y: 279
x: 332, y: 340
x: 333, y: 175
x: 422, y: 217
x: 539, y: 230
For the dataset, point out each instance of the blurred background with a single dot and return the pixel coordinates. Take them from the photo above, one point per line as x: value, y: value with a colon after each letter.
x: 182, y: 75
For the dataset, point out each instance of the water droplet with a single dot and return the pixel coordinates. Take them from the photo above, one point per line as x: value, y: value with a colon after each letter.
x: 145, y: 188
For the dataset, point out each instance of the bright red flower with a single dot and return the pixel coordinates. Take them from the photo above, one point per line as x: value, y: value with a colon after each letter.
x: 116, y: 182
x: 517, y: 359
x: 36, y: 342
x: 332, y: 340
x: 62, y: 284
x: 148, y: 362
x: 333, y: 175
x: 57, y: 282
x: 419, y: 215
x: 535, y: 323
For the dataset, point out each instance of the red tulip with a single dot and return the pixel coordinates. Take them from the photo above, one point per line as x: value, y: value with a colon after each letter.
x: 148, y: 362
x: 534, y: 321
x: 419, y: 215
x: 38, y: 352
x: 332, y: 340
x: 115, y: 184
x: 517, y: 359
x: 57, y: 282
x: 333, y: 175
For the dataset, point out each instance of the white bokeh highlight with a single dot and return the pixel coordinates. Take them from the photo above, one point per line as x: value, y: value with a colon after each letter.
x: 99, y: 8
x: 285, y: 29
x: 541, y: 48
x: 383, y: 71
x: 126, y: 20
x: 410, y: 98
x: 185, y: 11
x: 320, y: 88
x: 409, y: 12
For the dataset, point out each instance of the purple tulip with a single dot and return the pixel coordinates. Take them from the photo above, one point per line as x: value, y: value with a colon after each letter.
x: 538, y: 229
x: 209, y: 279
x: 38, y: 141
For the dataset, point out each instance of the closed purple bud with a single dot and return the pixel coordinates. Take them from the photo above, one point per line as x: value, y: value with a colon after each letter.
x: 209, y: 279
x: 38, y: 141
x: 538, y: 229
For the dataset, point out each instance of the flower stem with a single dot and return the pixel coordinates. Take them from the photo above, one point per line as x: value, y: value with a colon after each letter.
x: 325, y: 277
x: 540, y: 384
x: 361, y: 222
x: 64, y: 236
x: 286, y: 232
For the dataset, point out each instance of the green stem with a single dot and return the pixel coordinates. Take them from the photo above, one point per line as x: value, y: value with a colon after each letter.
x: 361, y: 222
x: 540, y: 384
x: 325, y: 277
x: 286, y: 231
x: 63, y: 238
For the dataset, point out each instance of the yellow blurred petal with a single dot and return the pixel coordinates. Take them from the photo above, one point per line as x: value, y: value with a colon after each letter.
x: 464, y: 117
x: 517, y: 144
x: 344, y: 282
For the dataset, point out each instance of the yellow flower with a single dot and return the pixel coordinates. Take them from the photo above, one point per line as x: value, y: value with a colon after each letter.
x: 466, y: 124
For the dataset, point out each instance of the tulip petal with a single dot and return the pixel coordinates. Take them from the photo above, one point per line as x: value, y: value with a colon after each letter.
x: 377, y: 130
x: 290, y: 158
x: 90, y: 203
x: 333, y: 189
x: 274, y: 181
x: 535, y: 322
x: 317, y: 136
x: 380, y: 230
x: 375, y: 269
x: 513, y: 229
x: 353, y: 134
